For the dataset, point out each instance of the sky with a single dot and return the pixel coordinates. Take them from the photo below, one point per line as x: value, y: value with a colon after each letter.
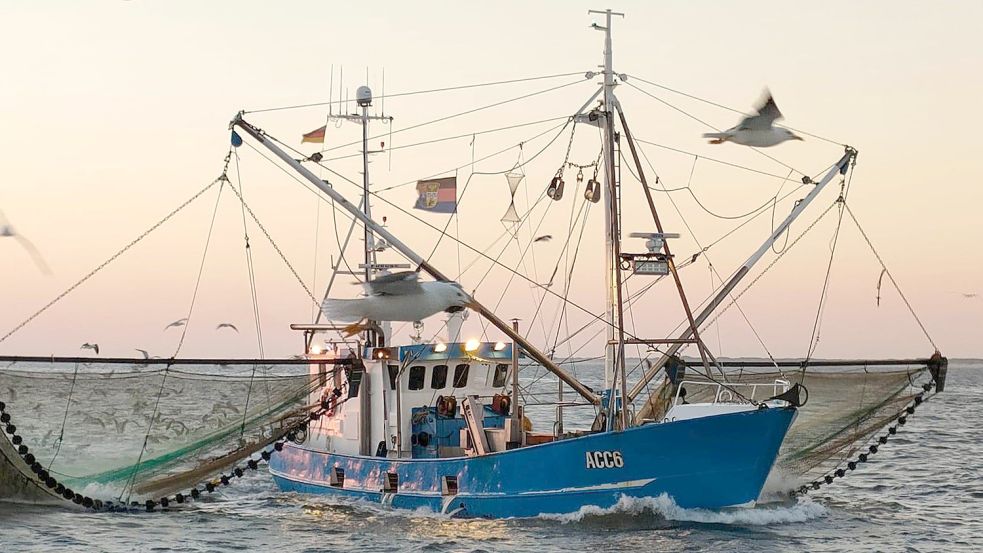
x: 115, y: 113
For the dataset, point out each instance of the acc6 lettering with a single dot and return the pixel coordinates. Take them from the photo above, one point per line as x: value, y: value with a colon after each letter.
x: 604, y: 460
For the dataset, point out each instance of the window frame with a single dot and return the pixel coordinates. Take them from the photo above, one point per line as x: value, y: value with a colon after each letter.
x: 422, y: 377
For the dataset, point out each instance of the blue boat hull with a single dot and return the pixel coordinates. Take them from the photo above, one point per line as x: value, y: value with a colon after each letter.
x: 709, y: 462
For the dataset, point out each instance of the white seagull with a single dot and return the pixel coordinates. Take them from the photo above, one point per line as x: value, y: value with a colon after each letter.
x: 93, y: 347
x: 7, y: 231
x: 179, y: 322
x: 397, y: 297
x: 756, y: 130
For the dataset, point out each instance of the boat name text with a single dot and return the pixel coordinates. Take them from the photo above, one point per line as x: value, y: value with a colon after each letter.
x: 604, y: 460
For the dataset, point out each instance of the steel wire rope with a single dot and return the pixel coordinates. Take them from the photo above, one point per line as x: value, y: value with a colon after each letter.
x: 184, y: 331
x: 256, y: 313
x: 697, y: 119
x: 823, y: 295
x: 772, y: 264
x: 460, y: 114
x: 708, y: 158
x: 425, y: 223
x: 455, y: 137
x: 728, y: 108
x: 64, y: 420
x: 523, y: 252
x: 417, y: 92
x: 479, y: 160
x: 688, y: 187
x: 112, y: 258
x: 890, y: 276
x: 420, y: 220
x: 705, y: 249
x: 201, y: 266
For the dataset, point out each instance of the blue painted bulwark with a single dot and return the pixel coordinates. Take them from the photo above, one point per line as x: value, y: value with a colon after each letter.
x: 710, y: 462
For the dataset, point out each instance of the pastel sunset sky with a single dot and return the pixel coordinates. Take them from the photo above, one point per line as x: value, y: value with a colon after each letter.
x: 114, y: 113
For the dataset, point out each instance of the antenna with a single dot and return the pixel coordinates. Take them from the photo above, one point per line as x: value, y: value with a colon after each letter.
x: 331, y: 93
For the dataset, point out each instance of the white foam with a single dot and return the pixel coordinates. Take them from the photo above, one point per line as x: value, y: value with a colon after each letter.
x: 802, y: 510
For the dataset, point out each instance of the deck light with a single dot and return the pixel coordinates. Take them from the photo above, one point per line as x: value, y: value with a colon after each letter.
x: 499, y: 346
x: 471, y: 345
x: 440, y: 347
x: 315, y: 349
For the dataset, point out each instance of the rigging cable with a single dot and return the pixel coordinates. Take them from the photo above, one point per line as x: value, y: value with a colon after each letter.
x: 417, y: 92
x: 461, y: 113
x: 695, y: 118
x: 704, y: 250
x: 201, y: 266
x: 111, y: 258
x: 728, y: 108
x: 891, y: 277
x: 256, y: 312
x: 184, y: 331
x: 824, y: 294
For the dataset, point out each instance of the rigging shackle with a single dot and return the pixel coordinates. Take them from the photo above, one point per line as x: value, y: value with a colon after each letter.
x: 555, y: 190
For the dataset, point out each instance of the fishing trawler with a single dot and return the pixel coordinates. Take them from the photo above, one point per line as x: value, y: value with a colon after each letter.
x: 441, y: 426
x: 446, y: 423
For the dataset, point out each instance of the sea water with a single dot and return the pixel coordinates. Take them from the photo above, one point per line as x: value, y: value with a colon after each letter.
x: 922, y: 492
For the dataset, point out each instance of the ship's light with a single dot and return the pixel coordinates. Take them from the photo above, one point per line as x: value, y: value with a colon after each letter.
x: 471, y: 345
x: 315, y: 349
x: 499, y: 346
x: 440, y: 347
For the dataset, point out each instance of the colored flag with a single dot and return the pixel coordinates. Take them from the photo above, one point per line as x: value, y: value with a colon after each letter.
x: 437, y: 195
x: 316, y: 136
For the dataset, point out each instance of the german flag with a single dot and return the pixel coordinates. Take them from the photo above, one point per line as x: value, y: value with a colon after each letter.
x: 316, y: 136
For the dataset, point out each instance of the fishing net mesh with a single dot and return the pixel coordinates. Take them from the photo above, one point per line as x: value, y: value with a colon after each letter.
x: 126, y: 431
x: 130, y: 431
x: 846, y: 408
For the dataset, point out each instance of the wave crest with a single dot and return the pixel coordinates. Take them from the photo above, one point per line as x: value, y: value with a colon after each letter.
x: 802, y: 510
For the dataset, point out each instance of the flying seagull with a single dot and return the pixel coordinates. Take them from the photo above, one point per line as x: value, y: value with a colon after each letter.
x: 93, y: 347
x: 146, y: 354
x: 970, y: 295
x: 227, y: 325
x: 756, y: 130
x: 544, y: 238
x: 397, y: 297
x: 179, y: 322
x: 7, y: 231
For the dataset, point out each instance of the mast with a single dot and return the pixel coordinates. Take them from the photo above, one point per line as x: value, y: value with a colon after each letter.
x: 612, y: 282
x: 422, y: 263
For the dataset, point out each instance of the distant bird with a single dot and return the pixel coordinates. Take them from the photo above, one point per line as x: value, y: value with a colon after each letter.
x: 227, y: 325
x: 969, y: 295
x: 93, y: 347
x: 397, y: 297
x: 7, y: 231
x: 544, y: 238
x: 146, y: 354
x: 179, y: 322
x: 756, y: 130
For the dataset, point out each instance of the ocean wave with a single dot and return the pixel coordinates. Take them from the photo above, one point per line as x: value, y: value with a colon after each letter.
x: 802, y: 510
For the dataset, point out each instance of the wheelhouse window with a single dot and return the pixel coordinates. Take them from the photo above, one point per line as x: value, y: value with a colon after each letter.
x: 501, y: 373
x: 418, y: 375
x: 461, y: 375
x: 393, y: 376
x: 438, y: 380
